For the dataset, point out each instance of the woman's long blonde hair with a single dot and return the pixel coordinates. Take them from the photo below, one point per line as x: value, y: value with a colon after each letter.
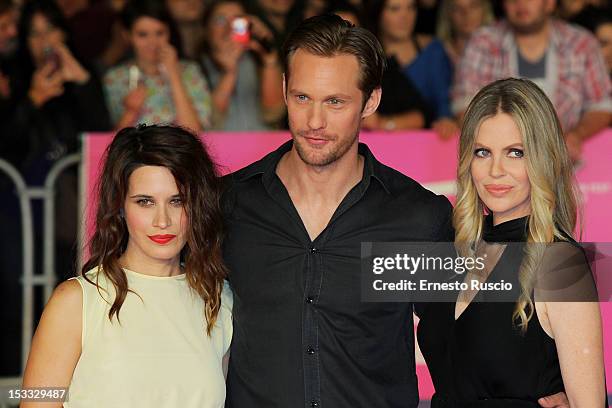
x: 553, y: 195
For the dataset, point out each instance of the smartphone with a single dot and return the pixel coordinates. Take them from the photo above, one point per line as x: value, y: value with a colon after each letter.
x: 51, y: 57
x: 133, y: 77
x: 240, y: 30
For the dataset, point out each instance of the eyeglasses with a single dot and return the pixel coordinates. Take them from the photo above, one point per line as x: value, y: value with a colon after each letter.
x: 221, y: 20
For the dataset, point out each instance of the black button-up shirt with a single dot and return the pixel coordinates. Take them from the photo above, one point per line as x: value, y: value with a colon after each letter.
x: 302, y: 336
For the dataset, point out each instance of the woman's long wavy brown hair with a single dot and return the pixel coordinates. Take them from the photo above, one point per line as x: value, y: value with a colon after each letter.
x: 199, y: 186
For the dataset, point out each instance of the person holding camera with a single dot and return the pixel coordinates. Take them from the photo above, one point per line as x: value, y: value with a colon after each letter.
x: 157, y: 86
x: 55, y: 96
x: 54, y: 99
x: 243, y: 69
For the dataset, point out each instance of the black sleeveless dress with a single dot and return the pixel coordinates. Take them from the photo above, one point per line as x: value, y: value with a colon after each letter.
x: 482, y: 359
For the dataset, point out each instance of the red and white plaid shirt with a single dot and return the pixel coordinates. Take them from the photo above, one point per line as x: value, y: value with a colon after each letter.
x: 576, y: 78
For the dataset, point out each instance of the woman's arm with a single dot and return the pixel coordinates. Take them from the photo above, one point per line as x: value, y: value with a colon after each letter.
x: 132, y: 104
x: 225, y: 56
x: 128, y: 118
x: 576, y: 328
x: 272, y: 102
x: 186, y: 114
x: 56, y: 346
x: 123, y: 104
x: 222, y: 93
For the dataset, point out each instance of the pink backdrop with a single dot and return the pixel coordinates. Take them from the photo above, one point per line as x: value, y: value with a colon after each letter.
x: 419, y: 154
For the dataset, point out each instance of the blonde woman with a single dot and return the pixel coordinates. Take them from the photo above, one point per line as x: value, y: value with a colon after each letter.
x: 514, y: 167
x: 457, y: 20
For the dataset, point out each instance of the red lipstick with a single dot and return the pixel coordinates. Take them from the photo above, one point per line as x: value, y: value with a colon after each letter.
x: 162, y: 239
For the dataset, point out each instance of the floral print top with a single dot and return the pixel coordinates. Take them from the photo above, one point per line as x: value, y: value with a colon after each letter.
x: 158, y: 107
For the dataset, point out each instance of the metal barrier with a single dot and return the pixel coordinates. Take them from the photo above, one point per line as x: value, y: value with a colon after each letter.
x: 30, y: 280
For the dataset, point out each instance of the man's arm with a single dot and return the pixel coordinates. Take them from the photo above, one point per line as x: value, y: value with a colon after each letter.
x: 590, y: 124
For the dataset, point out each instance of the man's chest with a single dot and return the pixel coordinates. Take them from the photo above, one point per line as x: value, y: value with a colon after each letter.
x: 272, y: 260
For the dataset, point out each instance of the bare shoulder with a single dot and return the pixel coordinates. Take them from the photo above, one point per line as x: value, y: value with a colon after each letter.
x: 68, y: 292
x: 56, y: 345
x: 66, y: 302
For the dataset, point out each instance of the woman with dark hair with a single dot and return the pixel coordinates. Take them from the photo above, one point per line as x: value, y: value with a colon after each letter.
x: 56, y: 97
x: 420, y: 58
x: 243, y: 70
x: 148, y: 321
x: 187, y: 17
x: 156, y: 86
x: 347, y: 11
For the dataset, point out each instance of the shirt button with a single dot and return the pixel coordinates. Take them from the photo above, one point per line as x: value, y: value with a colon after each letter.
x: 313, y: 250
x: 310, y: 350
x: 314, y: 404
x: 309, y: 299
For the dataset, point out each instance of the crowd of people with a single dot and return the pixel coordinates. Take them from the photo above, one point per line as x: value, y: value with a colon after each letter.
x: 103, y: 65
x: 178, y: 61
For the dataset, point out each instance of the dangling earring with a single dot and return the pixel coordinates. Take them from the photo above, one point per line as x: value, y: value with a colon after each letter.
x: 121, y: 213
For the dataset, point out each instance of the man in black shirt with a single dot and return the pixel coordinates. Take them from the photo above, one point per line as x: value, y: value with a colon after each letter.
x: 296, y: 220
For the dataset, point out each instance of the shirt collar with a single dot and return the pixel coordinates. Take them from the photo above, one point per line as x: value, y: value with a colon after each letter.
x: 266, y: 167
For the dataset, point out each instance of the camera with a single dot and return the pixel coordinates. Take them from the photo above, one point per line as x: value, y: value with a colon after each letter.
x: 240, y: 30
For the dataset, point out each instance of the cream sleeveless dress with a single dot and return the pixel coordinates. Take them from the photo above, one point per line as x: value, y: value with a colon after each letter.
x: 159, y: 355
